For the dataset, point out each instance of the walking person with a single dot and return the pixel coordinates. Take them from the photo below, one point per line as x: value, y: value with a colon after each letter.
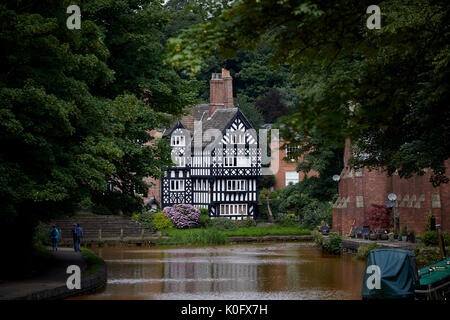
x: 79, y: 235
x: 54, y: 237
x: 75, y: 238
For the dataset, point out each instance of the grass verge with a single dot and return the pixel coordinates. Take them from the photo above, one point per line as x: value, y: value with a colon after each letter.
x: 272, y: 230
x: 93, y: 262
x: 193, y: 236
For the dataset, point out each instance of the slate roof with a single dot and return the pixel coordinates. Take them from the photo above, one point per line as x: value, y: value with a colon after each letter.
x: 219, y: 119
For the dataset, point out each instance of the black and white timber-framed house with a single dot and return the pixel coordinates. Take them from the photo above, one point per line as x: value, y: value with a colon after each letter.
x: 217, y: 157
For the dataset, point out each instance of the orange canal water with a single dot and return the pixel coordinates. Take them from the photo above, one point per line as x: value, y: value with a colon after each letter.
x: 278, y: 271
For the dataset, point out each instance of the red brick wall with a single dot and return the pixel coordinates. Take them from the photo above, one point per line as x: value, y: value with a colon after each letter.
x: 154, y: 190
x: 280, y: 176
x: 374, y: 186
x: 221, y: 90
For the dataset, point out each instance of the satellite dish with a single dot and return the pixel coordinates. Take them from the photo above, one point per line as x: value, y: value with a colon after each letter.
x: 389, y: 204
x: 336, y: 177
x: 392, y: 196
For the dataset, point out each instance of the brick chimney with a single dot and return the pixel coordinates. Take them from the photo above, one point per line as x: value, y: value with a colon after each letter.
x: 220, y: 91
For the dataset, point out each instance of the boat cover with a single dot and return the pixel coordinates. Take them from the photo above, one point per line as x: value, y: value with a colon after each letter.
x: 390, y: 274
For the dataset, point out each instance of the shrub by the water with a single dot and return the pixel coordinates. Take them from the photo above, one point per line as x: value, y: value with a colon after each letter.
x: 204, y: 220
x: 183, y: 215
x: 146, y: 219
x: 363, y: 251
x: 333, y: 244
x: 245, y: 223
x: 288, y: 220
x: 430, y: 238
x: 223, y: 224
x: 426, y: 256
x: 161, y: 222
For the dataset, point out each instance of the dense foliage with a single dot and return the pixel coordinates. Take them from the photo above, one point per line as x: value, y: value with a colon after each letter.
x: 430, y: 238
x: 193, y: 236
x: 223, y: 224
x: 161, y: 221
x: 76, y: 108
x: 331, y: 244
x: 146, y: 219
x: 182, y: 215
x: 204, y: 220
x: 379, y: 218
x: 386, y: 89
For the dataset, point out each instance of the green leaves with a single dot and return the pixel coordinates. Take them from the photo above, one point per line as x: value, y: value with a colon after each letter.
x: 396, y: 75
x: 77, y: 106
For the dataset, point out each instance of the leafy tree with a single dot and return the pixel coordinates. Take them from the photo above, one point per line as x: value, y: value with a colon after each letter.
x: 134, y: 35
x: 73, y: 115
x: 248, y: 109
x: 55, y: 145
x: 271, y: 105
x: 386, y: 89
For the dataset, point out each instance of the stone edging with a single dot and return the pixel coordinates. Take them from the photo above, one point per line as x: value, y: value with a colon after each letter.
x: 89, y: 283
x: 353, y: 245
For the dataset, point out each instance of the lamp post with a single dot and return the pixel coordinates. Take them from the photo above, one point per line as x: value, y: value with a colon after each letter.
x: 392, y: 198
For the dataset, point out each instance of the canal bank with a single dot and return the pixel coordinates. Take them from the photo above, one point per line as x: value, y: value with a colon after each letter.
x: 51, y: 284
x: 153, y: 241
x: 351, y: 245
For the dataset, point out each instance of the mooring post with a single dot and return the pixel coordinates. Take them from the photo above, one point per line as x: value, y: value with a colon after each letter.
x: 99, y: 234
x: 121, y: 234
x: 441, y: 241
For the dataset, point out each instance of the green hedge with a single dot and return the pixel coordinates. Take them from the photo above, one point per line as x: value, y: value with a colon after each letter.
x: 430, y: 238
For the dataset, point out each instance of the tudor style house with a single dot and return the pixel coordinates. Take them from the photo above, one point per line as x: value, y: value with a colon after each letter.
x: 217, y: 156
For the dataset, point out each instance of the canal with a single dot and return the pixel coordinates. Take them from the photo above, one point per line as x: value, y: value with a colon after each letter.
x: 275, y: 271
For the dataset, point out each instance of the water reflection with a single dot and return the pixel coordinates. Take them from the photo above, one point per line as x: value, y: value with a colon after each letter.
x: 275, y: 271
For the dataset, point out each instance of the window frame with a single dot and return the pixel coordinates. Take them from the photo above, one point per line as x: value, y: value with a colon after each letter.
x: 239, y: 185
x: 176, y: 185
x: 287, y: 181
x: 177, y: 140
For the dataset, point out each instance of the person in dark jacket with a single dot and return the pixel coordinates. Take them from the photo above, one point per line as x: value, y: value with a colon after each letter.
x: 54, y: 237
x: 75, y: 238
x: 79, y: 235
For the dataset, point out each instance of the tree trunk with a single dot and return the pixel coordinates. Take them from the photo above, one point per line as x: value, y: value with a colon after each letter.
x: 269, y: 211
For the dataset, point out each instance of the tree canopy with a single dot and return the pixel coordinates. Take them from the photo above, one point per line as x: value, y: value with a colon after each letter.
x: 386, y: 89
x: 76, y: 107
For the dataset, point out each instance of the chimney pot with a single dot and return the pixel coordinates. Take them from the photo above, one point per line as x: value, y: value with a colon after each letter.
x: 220, y: 91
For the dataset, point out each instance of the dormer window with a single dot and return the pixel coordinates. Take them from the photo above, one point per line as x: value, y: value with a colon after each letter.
x: 177, y: 141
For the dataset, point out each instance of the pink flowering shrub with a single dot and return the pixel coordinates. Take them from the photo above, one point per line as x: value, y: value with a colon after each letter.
x: 182, y: 215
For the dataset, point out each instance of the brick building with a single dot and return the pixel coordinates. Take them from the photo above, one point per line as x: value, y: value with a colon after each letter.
x: 416, y: 198
x: 287, y: 171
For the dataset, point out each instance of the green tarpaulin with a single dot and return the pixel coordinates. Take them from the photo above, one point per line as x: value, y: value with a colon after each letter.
x: 434, y: 273
x: 390, y: 274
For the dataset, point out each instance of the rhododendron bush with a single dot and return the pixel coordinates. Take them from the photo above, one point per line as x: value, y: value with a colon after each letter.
x: 182, y: 215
